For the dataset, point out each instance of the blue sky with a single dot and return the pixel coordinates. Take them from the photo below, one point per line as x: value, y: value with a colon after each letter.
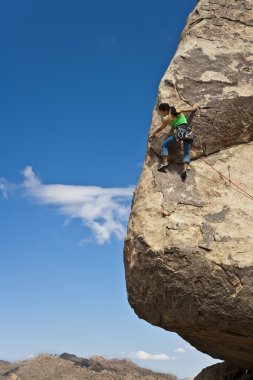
x: 79, y: 81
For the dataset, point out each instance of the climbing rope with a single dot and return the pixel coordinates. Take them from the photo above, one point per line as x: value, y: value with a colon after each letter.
x: 238, y: 188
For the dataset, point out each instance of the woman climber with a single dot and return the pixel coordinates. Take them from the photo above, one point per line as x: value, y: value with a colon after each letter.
x: 181, y: 132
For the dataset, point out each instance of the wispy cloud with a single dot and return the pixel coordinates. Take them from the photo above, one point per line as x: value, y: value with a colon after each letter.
x: 30, y: 356
x: 142, y: 355
x: 6, y: 188
x: 103, y: 210
x: 179, y: 350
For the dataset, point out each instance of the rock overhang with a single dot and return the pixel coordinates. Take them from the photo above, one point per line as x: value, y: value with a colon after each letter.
x: 189, y: 246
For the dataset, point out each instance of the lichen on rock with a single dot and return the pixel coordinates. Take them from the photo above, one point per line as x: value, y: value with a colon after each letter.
x: 189, y: 246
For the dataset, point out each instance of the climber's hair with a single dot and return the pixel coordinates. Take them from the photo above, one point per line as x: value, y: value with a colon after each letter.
x: 174, y: 112
x: 164, y: 107
x: 167, y: 108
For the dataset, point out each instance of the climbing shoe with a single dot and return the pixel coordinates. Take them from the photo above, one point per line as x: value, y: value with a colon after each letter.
x: 162, y: 167
x: 183, y: 175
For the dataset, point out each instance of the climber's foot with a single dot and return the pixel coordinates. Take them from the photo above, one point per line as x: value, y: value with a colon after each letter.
x: 183, y: 175
x: 162, y: 167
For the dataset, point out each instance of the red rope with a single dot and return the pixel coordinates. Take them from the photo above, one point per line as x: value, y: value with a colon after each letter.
x: 243, y: 192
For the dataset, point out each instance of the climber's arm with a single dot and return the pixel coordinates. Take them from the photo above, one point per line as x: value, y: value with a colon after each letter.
x: 194, y: 108
x: 166, y: 121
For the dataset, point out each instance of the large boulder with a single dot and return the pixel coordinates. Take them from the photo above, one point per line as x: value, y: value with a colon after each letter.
x: 189, y: 246
x: 224, y: 371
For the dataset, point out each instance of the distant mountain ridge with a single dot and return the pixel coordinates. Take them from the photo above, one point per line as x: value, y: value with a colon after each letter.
x: 71, y: 367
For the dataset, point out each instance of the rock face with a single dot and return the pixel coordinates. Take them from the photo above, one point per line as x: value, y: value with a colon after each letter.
x: 224, y: 371
x: 189, y: 246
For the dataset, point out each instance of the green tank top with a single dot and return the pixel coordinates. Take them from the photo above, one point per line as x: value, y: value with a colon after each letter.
x: 180, y: 119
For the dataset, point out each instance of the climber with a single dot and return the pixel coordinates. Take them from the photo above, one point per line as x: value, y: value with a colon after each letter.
x: 181, y: 132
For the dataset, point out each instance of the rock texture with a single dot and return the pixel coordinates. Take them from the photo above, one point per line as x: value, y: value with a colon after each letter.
x: 189, y: 246
x: 70, y: 367
x: 224, y: 371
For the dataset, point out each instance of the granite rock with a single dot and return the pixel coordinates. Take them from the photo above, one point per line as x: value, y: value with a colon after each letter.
x: 224, y: 371
x: 189, y: 246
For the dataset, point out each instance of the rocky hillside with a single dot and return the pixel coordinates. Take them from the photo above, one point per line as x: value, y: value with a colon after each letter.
x: 189, y: 246
x: 70, y: 367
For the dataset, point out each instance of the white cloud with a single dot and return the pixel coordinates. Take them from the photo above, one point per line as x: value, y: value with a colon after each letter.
x: 179, y: 350
x: 30, y: 356
x: 6, y: 188
x: 142, y: 355
x: 84, y: 241
x: 103, y: 210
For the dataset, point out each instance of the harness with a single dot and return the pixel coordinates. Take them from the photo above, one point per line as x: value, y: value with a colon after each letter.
x: 184, y: 133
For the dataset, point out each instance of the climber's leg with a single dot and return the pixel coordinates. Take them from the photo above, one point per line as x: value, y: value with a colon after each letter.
x: 165, y: 151
x: 187, y: 149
